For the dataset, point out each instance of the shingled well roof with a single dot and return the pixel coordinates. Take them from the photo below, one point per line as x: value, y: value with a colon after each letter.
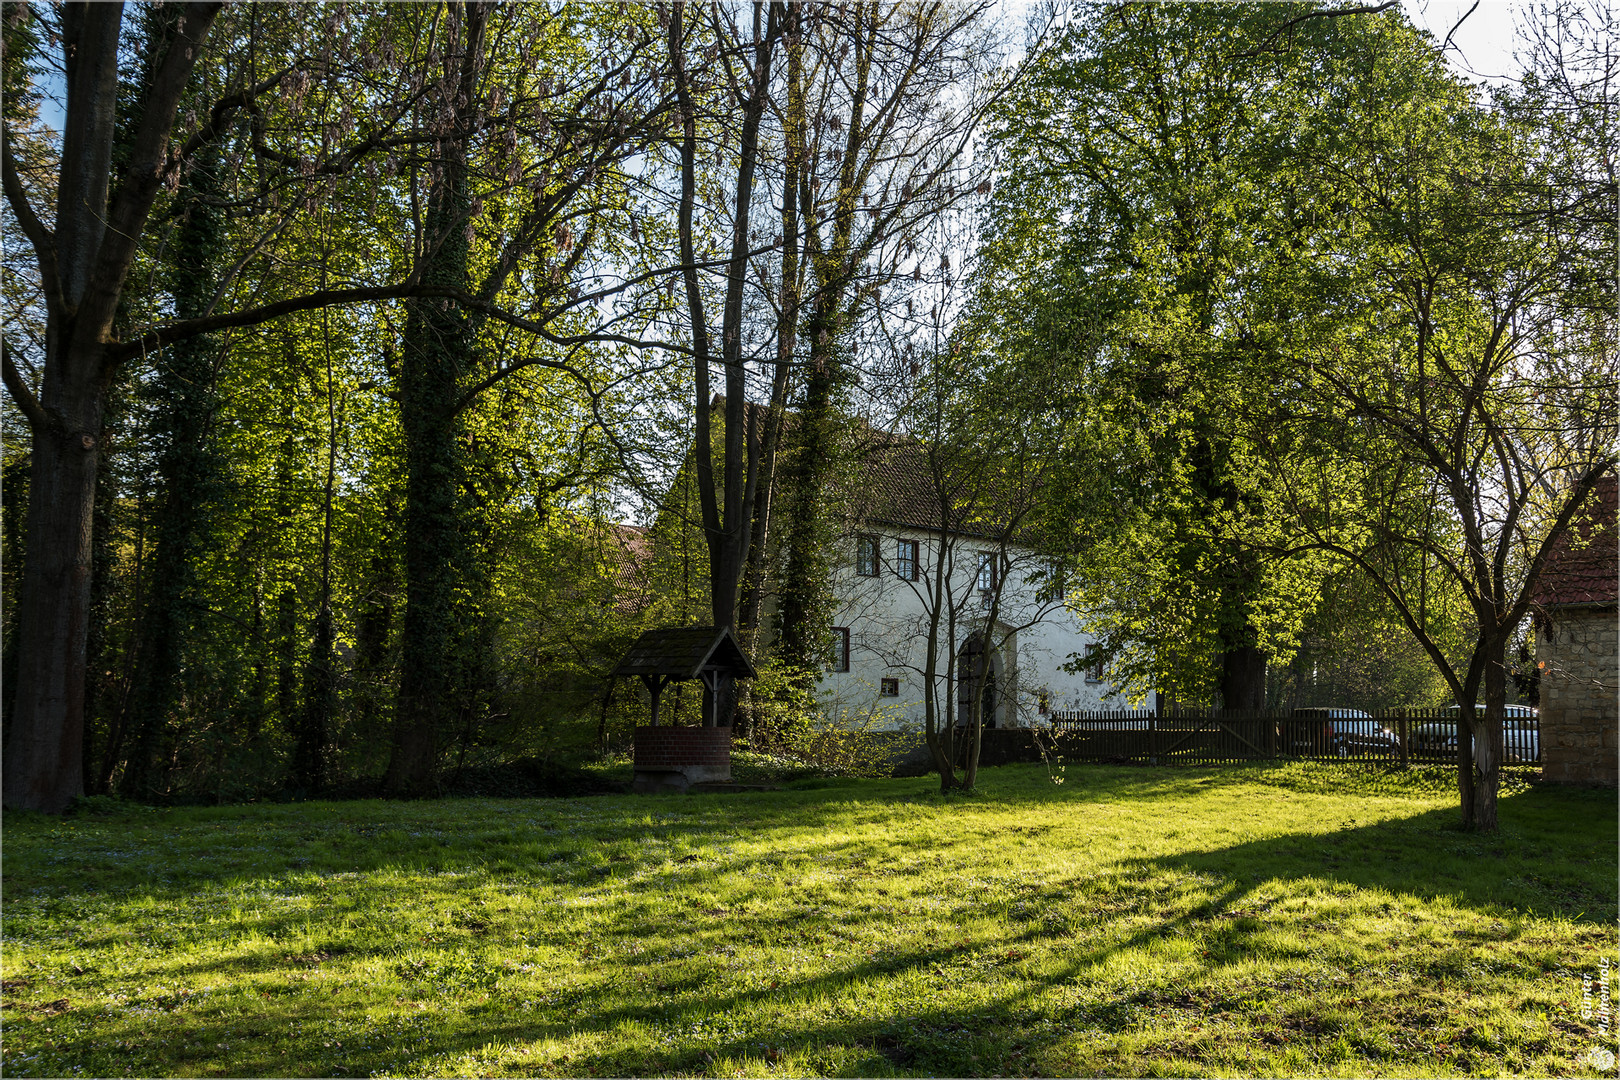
x: 684, y: 652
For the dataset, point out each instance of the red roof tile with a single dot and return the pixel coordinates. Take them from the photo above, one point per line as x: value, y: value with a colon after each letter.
x: 1582, y: 568
x: 630, y: 549
x: 894, y: 482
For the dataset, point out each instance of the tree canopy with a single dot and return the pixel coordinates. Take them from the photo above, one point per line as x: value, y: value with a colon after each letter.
x: 375, y: 373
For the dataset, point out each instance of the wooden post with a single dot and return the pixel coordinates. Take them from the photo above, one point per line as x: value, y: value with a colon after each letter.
x: 654, y: 686
x: 1153, y: 739
x: 1404, y: 733
x: 711, y: 683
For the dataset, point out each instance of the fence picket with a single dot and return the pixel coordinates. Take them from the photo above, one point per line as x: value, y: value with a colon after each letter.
x: 1210, y: 736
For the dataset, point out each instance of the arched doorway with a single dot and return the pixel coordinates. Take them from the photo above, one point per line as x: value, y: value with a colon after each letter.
x: 973, y: 669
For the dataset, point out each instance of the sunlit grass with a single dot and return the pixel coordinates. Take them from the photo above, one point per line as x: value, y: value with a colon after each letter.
x: 1300, y: 920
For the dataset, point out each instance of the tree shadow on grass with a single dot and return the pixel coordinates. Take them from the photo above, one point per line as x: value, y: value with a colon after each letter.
x: 1539, y: 864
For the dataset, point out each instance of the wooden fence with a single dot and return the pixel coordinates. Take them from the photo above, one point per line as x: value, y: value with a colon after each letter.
x: 1197, y: 736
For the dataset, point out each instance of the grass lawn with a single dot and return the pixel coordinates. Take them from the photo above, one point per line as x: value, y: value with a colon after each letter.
x: 1289, y: 920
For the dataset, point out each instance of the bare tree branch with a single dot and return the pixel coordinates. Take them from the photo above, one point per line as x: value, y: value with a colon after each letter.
x: 44, y: 244
x: 39, y: 420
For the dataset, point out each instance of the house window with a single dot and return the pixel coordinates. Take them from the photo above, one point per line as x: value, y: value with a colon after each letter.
x: 838, y: 660
x: 985, y: 578
x: 866, y: 556
x: 905, y: 559
x: 889, y: 688
x: 1094, y: 664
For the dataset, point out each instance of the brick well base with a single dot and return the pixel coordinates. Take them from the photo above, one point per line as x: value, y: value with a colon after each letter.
x: 671, y: 758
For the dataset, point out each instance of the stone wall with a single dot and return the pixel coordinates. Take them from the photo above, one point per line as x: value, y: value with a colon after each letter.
x: 1580, y: 681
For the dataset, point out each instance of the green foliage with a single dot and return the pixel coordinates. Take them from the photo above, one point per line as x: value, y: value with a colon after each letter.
x: 1356, y: 652
x: 1273, y: 920
x: 275, y: 406
x: 1144, y: 243
x: 787, y: 717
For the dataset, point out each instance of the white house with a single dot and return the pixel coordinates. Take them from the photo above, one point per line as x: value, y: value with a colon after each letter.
x: 892, y: 580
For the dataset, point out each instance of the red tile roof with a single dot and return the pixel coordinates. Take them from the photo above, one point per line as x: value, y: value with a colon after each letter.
x: 894, y: 482
x: 900, y: 487
x: 1582, y: 568
x: 630, y: 548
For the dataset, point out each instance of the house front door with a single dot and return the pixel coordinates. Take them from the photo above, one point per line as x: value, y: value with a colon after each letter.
x: 973, y: 669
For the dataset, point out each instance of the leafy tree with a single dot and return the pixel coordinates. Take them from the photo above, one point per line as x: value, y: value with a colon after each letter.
x: 1459, y: 366
x: 1143, y: 236
x: 300, y: 104
x: 984, y: 433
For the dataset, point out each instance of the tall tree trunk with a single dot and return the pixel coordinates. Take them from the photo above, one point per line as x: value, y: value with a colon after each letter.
x: 433, y: 358
x: 1487, y: 762
x: 939, y: 732
x: 727, y: 508
x: 43, y: 770
x: 84, y: 263
x: 806, y: 591
x: 436, y: 354
x: 190, y: 475
x: 98, y: 685
x: 315, y: 723
x: 795, y: 123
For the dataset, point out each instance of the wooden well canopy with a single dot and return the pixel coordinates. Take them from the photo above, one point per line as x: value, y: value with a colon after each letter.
x: 677, y: 653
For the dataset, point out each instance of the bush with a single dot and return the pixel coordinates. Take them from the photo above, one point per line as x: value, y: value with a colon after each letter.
x: 785, y: 721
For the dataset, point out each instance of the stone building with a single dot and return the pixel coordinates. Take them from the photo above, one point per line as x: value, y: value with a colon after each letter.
x: 1578, y: 650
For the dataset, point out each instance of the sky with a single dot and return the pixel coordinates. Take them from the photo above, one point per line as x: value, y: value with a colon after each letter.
x: 1482, y: 47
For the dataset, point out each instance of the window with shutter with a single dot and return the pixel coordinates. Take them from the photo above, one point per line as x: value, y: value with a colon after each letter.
x: 866, y: 556
x: 838, y: 650
x: 905, y: 559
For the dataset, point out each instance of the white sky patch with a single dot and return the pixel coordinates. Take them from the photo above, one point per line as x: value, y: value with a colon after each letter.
x: 1482, y: 47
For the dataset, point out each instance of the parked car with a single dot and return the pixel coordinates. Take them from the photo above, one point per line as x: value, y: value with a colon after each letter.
x: 1344, y: 732
x: 1521, y: 732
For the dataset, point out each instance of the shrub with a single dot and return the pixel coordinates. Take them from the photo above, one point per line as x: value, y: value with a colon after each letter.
x: 783, y: 718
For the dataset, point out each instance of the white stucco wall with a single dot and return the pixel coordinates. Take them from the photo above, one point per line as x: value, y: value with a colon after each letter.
x: 887, y: 617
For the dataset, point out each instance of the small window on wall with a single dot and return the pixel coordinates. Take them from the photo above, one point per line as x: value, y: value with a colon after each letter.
x: 905, y: 559
x: 1094, y: 664
x: 987, y: 572
x: 889, y: 688
x: 838, y: 650
x: 1057, y: 581
x: 866, y: 556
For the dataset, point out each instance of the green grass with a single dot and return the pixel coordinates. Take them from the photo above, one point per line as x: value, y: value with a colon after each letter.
x: 1294, y: 920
